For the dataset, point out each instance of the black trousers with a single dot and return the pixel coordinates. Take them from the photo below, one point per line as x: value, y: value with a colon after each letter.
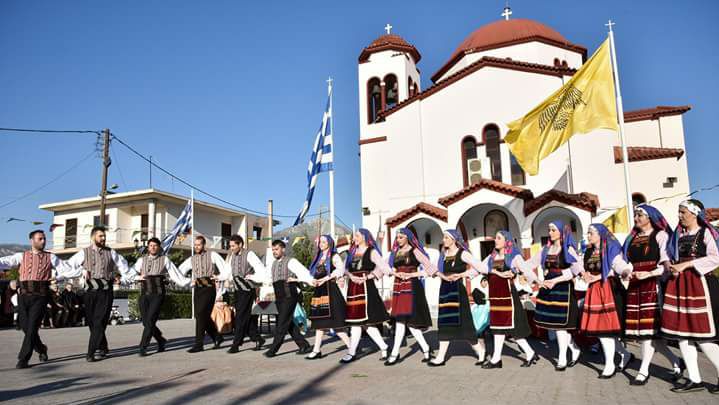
x: 150, y: 311
x: 285, y: 313
x: 245, y: 322
x: 204, y: 301
x: 98, y: 304
x: 31, y: 311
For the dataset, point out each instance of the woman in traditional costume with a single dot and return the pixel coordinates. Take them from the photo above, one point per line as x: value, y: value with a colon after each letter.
x: 690, y: 313
x: 409, y: 302
x: 645, y: 249
x: 506, y: 312
x: 556, y: 307
x: 327, y: 307
x: 455, y: 317
x: 365, y: 307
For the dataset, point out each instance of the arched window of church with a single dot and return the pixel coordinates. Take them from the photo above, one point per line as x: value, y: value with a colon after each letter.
x: 494, y: 222
x: 518, y: 178
x: 638, y: 198
x: 391, y: 88
x: 410, y: 87
x: 469, y: 151
x: 491, y: 147
x: 374, y: 100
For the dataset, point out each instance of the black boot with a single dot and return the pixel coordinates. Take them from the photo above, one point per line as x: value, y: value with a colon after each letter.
x: 259, y: 343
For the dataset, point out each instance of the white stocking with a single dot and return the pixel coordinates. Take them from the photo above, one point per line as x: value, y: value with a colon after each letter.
x: 442, y: 352
x: 480, y: 350
x: 711, y: 350
x: 399, y: 329
x: 689, y: 354
x: 608, y: 348
x: 343, y: 336
x: 419, y: 337
x: 318, y: 340
x: 498, y: 345
x: 563, y: 339
x: 355, y: 336
x: 373, y: 333
x: 524, y: 345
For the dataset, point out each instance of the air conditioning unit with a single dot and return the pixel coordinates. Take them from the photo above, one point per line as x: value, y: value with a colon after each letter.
x: 478, y: 169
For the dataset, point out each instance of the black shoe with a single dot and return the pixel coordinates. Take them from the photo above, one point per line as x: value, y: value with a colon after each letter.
x: 303, y: 350
x: 259, y: 343
x: 714, y: 389
x: 90, y: 358
x: 270, y: 354
x: 489, y: 365
x: 314, y: 356
x: 530, y: 362
x: 631, y: 359
x: 22, y: 364
x: 348, y: 359
x: 560, y: 368
x: 427, y: 356
x: 606, y: 377
x: 676, y: 376
x: 143, y: 352
x: 233, y: 349
x: 161, y: 345
x: 391, y: 360
x: 688, y: 387
x: 43, y: 356
x: 639, y: 382
x: 433, y: 364
x: 218, y: 342
x: 574, y: 362
x: 196, y: 349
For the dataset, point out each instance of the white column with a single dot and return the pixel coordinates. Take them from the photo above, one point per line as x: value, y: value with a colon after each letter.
x: 151, y: 219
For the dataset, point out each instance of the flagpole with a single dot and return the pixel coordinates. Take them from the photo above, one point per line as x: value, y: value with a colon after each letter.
x: 192, y: 241
x: 620, y: 118
x: 332, y: 171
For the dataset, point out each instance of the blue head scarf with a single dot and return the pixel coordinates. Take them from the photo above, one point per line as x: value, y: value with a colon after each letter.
x: 369, y: 241
x: 567, y: 241
x: 609, y: 248
x: 411, y: 239
x: 510, y: 250
x: 697, y: 208
x: 332, y: 252
x: 458, y: 239
x: 657, y: 220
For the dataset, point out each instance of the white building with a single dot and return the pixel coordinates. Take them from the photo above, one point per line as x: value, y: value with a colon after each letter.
x: 135, y: 216
x: 435, y: 158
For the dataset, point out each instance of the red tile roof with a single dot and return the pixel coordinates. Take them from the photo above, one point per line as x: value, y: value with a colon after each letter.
x: 422, y: 207
x: 486, y: 61
x: 640, y: 153
x: 655, y: 112
x: 493, y: 185
x: 586, y: 201
x: 504, y: 33
x: 390, y: 42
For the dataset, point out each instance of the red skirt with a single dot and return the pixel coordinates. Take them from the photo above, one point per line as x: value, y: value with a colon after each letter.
x: 402, y: 295
x: 600, y: 316
x: 642, y: 312
x: 501, y: 308
x: 687, y: 312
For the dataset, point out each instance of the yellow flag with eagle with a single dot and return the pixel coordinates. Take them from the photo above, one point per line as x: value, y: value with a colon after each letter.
x: 585, y: 103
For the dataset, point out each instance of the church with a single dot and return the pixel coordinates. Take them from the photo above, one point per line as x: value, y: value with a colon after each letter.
x: 434, y: 158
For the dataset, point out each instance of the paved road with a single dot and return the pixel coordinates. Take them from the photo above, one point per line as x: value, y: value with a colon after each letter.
x: 176, y: 377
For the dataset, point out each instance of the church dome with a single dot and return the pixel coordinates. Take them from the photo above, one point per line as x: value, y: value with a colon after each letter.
x: 392, y: 42
x: 505, y: 33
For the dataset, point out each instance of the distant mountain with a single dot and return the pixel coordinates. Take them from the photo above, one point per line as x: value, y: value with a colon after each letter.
x: 8, y: 249
x: 311, y: 228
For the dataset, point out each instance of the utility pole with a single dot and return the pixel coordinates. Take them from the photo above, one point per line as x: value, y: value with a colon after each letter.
x: 105, y: 166
x: 150, y: 171
x: 270, y: 224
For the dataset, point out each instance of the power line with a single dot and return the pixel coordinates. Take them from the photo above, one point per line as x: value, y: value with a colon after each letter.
x: 58, y: 177
x: 198, y: 189
x: 51, y: 131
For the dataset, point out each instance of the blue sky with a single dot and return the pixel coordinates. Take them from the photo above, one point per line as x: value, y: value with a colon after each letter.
x: 229, y: 95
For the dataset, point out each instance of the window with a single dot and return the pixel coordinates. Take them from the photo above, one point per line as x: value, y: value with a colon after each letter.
x: 374, y: 100
x: 518, y: 178
x: 71, y: 233
x: 410, y: 87
x: 638, y: 198
x: 96, y: 220
x: 226, y: 232
x: 144, y: 225
x: 427, y: 239
x: 469, y: 151
x: 257, y: 232
x: 391, y: 89
x: 491, y: 143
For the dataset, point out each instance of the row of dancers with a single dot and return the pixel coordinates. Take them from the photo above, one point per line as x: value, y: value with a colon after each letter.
x: 656, y: 286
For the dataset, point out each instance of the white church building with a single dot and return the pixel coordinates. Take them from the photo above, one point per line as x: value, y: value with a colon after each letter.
x: 435, y: 158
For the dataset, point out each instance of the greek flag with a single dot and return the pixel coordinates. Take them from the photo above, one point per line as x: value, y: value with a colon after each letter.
x: 321, y: 158
x: 183, y: 225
